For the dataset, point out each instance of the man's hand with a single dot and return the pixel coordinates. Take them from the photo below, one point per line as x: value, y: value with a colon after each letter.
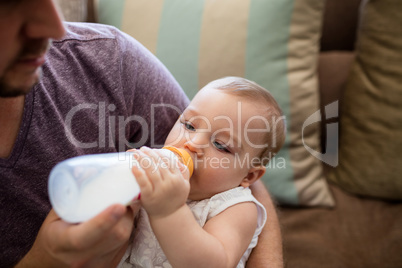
x: 99, y: 242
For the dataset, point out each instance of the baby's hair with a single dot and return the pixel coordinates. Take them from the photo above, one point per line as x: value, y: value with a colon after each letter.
x: 250, y: 90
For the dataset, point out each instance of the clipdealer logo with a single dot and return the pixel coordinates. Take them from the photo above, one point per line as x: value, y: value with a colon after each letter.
x: 330, y: 156
x: 114, y: 122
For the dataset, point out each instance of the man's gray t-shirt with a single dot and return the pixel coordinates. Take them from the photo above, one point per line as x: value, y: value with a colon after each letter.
x: 100, y: 90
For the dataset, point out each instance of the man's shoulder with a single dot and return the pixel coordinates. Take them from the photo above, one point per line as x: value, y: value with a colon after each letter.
x: 89, y: 31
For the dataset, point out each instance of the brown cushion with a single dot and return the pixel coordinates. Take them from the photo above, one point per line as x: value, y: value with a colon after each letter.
x: 358, y: 233
x: 370, y: 155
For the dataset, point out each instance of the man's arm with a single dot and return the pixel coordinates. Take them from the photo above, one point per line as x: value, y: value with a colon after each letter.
x: 268, y: 252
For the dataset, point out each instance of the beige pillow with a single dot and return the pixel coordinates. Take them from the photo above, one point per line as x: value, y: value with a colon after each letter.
x: 371, y: 122
x: 274, y: 43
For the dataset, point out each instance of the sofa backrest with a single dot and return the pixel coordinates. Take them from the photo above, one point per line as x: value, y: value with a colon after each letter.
x: 341, y: 19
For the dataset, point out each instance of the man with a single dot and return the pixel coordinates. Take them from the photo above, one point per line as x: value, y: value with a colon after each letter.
x: 94, y: 91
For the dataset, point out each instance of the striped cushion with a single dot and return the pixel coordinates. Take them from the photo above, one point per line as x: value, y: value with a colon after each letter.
x: 73, y: 10
x: 272, y: 42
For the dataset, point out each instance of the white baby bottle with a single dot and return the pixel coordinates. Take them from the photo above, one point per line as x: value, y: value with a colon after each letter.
x: 83, y: 186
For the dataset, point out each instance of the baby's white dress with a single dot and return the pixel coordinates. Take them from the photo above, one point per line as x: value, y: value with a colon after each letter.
x: 146, y: 251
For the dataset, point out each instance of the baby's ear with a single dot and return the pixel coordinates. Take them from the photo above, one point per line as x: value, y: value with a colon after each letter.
x: 253, y: 175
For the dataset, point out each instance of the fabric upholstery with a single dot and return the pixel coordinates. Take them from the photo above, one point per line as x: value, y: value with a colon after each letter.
x: 333, y: 70
x: 371, y: 143
x: 74, y: 10
x: 358, y: 233
x: 339, y: 25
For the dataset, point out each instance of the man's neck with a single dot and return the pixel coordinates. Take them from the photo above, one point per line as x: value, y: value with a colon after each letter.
x: 11, y: 110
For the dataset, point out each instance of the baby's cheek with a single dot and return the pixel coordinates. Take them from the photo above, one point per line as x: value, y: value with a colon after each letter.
x: 175, y: 137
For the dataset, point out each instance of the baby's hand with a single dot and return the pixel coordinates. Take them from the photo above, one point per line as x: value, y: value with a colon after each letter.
x: 164, y: 189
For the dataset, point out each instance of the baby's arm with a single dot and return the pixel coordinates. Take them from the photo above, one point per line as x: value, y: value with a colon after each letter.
x: 221, y: 242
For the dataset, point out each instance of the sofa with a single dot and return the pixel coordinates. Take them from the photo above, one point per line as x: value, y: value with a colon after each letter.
x: 350, y: 228
x: 359, y: 231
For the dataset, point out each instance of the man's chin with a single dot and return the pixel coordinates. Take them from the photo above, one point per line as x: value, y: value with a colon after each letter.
x: 11, y: 90
x: 12, y: 94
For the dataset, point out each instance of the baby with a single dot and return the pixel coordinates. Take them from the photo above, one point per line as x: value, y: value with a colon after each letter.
x: 231, y: 128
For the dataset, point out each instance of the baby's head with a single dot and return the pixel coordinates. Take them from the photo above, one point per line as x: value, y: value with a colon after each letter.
x: 232, y: 128
x: 275, y: 133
